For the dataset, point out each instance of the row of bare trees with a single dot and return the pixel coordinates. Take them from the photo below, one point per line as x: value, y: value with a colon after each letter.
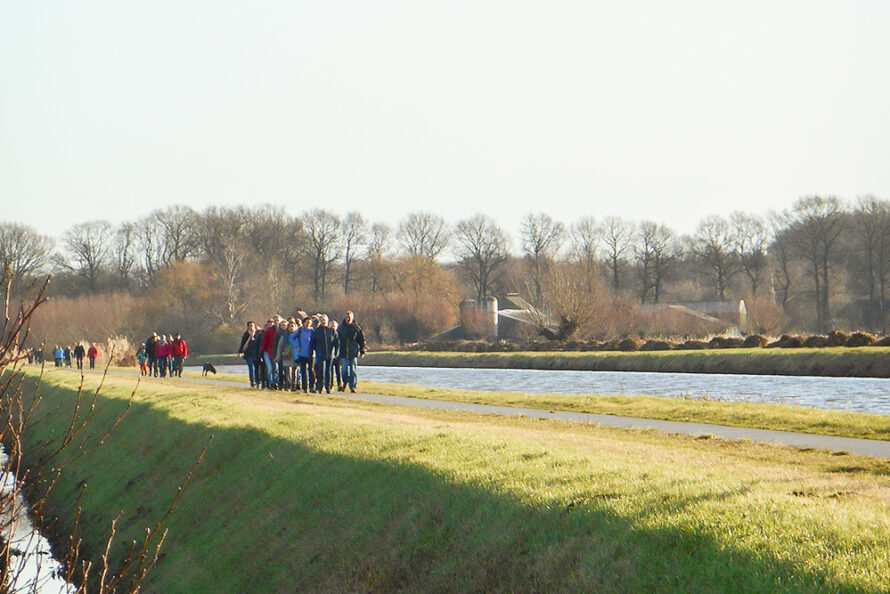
x: 823, y: 261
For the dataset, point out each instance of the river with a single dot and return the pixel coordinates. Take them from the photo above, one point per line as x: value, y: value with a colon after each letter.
x: 835, y: 393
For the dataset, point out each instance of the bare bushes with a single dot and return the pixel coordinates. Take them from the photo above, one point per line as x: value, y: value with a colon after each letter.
x: 91, y: 318
x: 860, y: 339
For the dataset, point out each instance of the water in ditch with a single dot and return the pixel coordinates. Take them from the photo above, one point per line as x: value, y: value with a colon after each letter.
x: 835, y: 393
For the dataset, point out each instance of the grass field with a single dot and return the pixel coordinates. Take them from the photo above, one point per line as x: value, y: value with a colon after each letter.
x: 320, y: 493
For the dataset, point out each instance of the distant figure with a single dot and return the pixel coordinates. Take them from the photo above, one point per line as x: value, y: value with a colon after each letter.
x: 79, y: 352
x: 180, y: 351
x: 162, y: 351
x: 151, y: 346
x: 92, y: 353
x: 247, y: 348
x: 142, y: 357
x: 352, y: 346
x: 67, y: 353
x: 58, y: 355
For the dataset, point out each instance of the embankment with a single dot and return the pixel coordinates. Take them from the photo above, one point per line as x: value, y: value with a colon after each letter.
x: 837, y: 362
x: 321, y: 494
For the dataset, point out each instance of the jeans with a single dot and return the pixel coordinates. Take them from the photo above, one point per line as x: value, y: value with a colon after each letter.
x: 162, y: 366
x: 322, y: 374
x: 251, y: 371
x: 305, y: 366
x: 349, y: 365
x: 270, y: 370
x: 177, y: 365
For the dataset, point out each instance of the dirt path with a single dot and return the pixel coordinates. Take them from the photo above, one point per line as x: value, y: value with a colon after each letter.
x: 864, y: 447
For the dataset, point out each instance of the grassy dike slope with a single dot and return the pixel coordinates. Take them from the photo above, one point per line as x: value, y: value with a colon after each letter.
x: 839, y: 362
x: 319, y: 493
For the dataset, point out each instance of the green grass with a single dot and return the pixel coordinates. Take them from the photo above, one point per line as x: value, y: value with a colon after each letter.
x: 325, y: 494
x: 858, y: 362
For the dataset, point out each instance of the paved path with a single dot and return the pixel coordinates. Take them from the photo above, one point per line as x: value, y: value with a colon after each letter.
x: 866, y: 447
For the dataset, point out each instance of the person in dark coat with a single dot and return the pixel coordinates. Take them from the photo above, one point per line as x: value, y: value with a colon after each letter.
x: 323, y: 345
x: 352, y: 346
x: 152, y: 361
x: 79, y: 352
x: 248, y: 349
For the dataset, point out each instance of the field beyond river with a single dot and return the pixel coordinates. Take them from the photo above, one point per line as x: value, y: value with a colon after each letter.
x: 321, y: 493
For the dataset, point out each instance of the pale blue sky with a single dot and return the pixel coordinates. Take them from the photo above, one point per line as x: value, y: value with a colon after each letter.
x: 647, y: 110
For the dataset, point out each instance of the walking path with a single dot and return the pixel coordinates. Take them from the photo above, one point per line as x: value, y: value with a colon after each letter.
x: 865, y: 447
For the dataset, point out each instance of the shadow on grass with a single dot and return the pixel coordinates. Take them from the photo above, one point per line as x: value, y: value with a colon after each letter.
x: 265, y: 514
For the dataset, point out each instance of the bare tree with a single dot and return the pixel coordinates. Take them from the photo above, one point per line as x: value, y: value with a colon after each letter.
x: 482, y: 249
x: 783, y: 252
x: 586, y: 236
x: 124, y: 253
x: 88, y: 245
x: 324, y: 244
x: 816, y: 225
x: 617, y: 238
x: 870, y: 227
x: 355, y: 234
x: 423, y: 234
x: 378, y: 254
x: 23, y: 253
x: 712, y: 246
x: 655, y: 244
x: 750, y: 242
x: 541, y: 239
x: 180, y: 239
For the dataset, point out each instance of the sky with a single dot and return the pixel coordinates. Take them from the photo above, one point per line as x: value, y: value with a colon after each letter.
x: 646, y: 110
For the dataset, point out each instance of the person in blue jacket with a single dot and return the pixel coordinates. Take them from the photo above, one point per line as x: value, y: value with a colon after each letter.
x: 302, y: 341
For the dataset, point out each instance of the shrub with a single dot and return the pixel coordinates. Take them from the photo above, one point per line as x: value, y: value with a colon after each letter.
x: 816, y: 341
x: 882, y: 342
x: 726, y: 342
x: 629, y: 344
x: 754, y: 341
x: 656, y: 345
x: 692, y: 345
x: 837, y: 338
x: 860, y: 339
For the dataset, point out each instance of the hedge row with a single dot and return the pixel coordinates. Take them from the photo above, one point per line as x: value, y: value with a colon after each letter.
x: 786, y: 341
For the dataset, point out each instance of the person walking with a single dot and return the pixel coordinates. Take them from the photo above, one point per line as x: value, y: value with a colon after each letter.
x: 92, y: 353
x: 323, y: 345
x: 151, y: 353
x: 352, y: 346
x: 335, y: 362
x: 267, y: 344
x: 79, y: 352
x: 302, y: 339
x: 58, y: 354
x: 180, y: 351
x: 250, y: 344
x: 285, y: 358
x: 141, y: 357
x: 67, y: 356
x: 162, y: 351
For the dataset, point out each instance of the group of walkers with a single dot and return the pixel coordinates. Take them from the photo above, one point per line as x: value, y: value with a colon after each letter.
x: 162, y: 355
x: 303, y: 353
x: 63, y: 356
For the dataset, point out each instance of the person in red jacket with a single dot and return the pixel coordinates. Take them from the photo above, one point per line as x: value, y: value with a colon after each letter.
x: 266, y: 345
x: 162, y: 351
x: 180, y: 351
x: 92, y: 353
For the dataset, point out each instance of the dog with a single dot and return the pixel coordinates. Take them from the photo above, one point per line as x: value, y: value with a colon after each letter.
x: 208, y: 367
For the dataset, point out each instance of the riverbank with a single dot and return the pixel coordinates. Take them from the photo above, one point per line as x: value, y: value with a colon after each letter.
x: 834, y: 362
x: 335, y: 494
